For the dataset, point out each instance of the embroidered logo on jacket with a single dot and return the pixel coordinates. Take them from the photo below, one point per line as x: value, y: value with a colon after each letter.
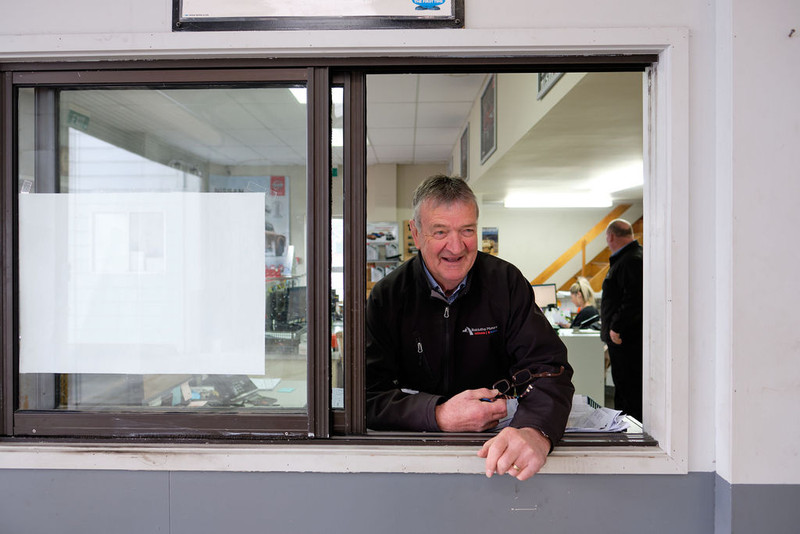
x: 480, y: 331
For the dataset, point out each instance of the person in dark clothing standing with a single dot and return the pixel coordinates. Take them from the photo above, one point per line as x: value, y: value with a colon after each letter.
x: 449, y: 329
x: 621, y: 316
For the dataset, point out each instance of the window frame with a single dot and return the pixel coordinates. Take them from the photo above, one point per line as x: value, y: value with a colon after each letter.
x: 130, y: 424
x: 667, y: 155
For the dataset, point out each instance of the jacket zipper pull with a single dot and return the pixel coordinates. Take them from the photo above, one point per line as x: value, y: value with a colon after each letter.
x: 446, y: 312
x: 419, y: 351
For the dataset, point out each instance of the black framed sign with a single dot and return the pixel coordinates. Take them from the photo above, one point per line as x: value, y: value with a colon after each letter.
x: 546, y: 81
x: 240, y: 15
x: 489, y: 119
x: 464, y: 154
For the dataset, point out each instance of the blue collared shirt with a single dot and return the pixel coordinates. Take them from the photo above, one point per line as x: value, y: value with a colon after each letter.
x: 436, y: 287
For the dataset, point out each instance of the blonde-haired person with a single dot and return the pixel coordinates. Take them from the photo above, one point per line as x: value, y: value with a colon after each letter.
x: 582, y: 297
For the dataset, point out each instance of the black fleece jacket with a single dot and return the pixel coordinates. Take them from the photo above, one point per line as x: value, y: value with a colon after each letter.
x: 416, y: 341
x: 621, y: 303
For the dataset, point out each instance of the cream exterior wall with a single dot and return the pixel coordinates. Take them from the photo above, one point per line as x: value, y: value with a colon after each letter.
x: 765, y: 342
x: 742, y: 186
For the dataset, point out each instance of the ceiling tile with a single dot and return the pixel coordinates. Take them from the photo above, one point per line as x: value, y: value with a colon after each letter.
x: 391, y: 136
x: 278, y: 116
x: 437, y: 136
x: 394, y: 154
x: 450, y: 87
x: 391, y: 115
x: 391, y: 88
x: 254, y: 136
x: 431, y: 153
x: 443, y: 114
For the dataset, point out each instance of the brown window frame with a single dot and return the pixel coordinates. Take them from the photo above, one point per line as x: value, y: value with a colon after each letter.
x: 320, y: 421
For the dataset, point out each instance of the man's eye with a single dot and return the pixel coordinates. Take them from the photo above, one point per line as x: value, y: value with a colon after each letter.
x: 468, y: 232
x: 439, y: 234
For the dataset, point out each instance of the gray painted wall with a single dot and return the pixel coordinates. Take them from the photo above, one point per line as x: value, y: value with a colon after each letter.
x: 772, y: 508
x: 88, y: 502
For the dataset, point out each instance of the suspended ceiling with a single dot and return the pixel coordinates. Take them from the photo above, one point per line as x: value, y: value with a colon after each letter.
x: 411, y: 119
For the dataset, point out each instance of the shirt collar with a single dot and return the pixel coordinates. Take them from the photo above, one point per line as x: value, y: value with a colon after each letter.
x: 436, y: 287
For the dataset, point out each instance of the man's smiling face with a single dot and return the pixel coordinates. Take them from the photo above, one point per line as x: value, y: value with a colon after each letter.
x: 447, y: 238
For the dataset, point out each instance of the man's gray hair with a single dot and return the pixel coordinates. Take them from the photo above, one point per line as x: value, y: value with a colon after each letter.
x: 442, y: 189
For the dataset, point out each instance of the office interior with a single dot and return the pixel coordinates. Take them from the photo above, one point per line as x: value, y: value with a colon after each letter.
x: 571, y: 183
x: 118, y: 142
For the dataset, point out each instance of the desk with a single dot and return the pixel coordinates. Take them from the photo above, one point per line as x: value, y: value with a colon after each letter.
x: 287, y: 394
x: 585, y: 354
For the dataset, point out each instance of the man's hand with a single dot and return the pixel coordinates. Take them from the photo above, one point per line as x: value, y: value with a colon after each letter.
x: 520, y: 452
x: 615, y: 339
x: 466, y: 412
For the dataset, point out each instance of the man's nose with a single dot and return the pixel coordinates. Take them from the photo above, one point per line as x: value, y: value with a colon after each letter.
x: 454, y: 242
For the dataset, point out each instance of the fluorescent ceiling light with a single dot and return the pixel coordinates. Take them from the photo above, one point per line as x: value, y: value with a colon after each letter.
x: 619, y: 179
x: 301, y: 95
x: 557, y: 200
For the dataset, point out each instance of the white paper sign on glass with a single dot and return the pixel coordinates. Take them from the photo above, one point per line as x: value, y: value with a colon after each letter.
x: 142, y: 283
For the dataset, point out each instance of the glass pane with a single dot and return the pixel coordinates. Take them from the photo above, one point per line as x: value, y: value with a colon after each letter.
x: 163, y: 253
x: 337, y: 248
x: 25, y: 138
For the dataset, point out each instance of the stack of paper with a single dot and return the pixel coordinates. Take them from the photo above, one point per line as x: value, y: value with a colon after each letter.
x: 266, y: 384
x: 588, y: 416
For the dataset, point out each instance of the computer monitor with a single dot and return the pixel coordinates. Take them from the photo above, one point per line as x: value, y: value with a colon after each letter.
x: 296, y: 306
x: 545, y: 295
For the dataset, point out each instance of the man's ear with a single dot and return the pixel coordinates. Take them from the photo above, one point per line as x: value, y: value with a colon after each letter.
x: 414, y: 232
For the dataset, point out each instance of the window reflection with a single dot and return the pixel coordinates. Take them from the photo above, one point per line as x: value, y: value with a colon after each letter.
x: 178, y: 274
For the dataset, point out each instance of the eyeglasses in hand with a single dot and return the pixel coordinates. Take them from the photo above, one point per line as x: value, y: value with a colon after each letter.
x: 508, y: 388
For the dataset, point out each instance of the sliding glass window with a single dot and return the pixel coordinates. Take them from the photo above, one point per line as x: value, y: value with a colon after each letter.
x: 189, y: 246
x: 163, y: 255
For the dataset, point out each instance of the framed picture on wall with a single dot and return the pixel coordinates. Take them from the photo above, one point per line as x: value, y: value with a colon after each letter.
x: 240, y: 15
x: 489, y: 119
x: 545, y: 82
x: 464, y: 154
x: 490, y: 240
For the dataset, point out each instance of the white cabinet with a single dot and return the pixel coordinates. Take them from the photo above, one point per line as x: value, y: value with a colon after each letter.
x: 585, y: 354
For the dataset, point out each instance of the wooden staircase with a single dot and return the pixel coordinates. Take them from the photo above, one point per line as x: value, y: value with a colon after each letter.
x: 595, y: 270
x: 580, y: 245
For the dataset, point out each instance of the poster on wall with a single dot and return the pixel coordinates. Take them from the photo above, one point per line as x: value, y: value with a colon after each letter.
x: 545, y: 81
x: 489, y: 119
x: 277, y: 256
x: 464, y: 154
x: 490, y: 243
x: 205, y: 15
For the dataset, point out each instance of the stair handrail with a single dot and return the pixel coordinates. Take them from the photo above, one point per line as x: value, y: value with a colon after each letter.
x: 580, y: 244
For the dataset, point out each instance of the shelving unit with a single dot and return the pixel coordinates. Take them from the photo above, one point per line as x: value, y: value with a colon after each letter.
x: 384, y: 250
x: 409, y: 248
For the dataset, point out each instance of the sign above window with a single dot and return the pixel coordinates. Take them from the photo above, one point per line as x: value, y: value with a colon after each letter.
x: 240, y: 15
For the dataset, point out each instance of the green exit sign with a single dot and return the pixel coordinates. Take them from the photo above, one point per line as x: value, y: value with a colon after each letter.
x: 76, y: 120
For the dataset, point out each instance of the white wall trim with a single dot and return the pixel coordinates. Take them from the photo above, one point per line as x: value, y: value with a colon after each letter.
x: 323, y: 458
x: 666, y: 252
x: 99, y: 46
